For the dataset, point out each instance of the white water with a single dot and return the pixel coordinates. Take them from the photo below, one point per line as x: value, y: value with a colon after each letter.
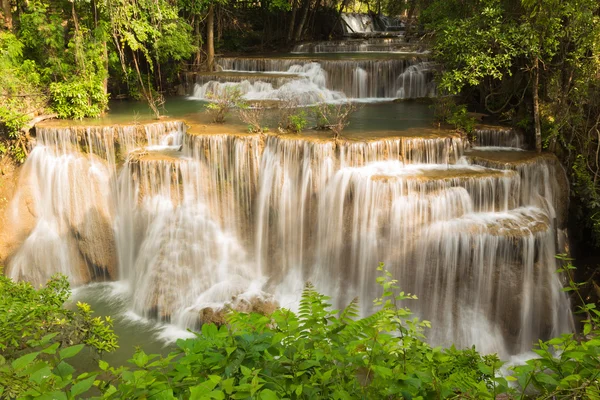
x: 310, y: 88
x: 325, y: 80
x: 358, y: 23
x: 235, y: 220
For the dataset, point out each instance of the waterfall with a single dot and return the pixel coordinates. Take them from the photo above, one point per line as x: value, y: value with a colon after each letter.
x: 416, y: 81
x: 498, y: 137
x: 358, y: 23
x: 309, y: 88
x: 64, y: 207
x: 193, y: 222
x: 368, y: 45
x: 327, y: 79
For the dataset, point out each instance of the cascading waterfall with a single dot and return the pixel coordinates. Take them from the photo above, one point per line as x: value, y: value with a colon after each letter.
x: 369, y: 45
x: 494, y: 137
x: 326, y: 80
x: 191, y: 222
x: 358, y: 23
x: 63, y: 211
x: 368, y: 24
x: 416, y: 81
x: 309, y: 89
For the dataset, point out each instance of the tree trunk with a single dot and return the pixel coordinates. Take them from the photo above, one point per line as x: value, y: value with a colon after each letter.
x: 311, y: 20
x: 198, y: 58
x: 210, y: 38
x: 305, y: 9
x: 7, y: 11
x: 339, y: 17
x: 412, y: 4
x: 290, y: 34
x: 536, y: 106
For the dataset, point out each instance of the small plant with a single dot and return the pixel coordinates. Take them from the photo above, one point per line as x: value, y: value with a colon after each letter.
x: 461, y: 120
x: 222, y: 101
x: 446, y: 110
x: 253, y: 115
x: 297, y: 122
x: 291, y: 118
x: 334, y: 117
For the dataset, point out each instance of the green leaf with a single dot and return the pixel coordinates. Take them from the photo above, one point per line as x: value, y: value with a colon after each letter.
x: 268, y: 394
x: 51, y: 349
x: 545, y: 378
x: 23, y: 361
x: 70, y: 351
x: 228, y: 384
x: 64, y: 369
x: 103, y: 365
x: 199, y: 391
x: 82, y: 386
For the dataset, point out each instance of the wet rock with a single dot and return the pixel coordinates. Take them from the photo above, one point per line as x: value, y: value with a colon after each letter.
x: 264, y: 305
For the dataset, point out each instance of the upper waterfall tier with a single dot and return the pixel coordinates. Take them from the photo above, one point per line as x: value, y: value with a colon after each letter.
x: 193, y: 220
x: 355, y: 23
x: 331, y: 79
x: 376, y: 45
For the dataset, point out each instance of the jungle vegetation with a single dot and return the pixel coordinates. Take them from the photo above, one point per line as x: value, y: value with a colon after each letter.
x: 317, y: 353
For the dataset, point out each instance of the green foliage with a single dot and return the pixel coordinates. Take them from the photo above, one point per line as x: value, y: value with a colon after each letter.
x: 297, y: 121
x: 473, y: 42
x: 78, y: 99
x: 447, y: 110
x: 20, y: 93
x: 222, y: 101
x: 27, y: 315
x: 461, y: 120
x: 37, y: 335
x: 317, y: 353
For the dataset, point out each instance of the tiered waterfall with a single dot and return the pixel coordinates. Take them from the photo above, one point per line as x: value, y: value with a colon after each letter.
x: 193, y: 221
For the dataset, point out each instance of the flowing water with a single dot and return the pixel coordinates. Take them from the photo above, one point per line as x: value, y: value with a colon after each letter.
x: 182, y: 220
x: 189, y: 222
x: 329, y: 77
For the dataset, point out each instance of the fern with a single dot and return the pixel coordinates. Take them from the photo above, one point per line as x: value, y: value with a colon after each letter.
x: 350, y: 313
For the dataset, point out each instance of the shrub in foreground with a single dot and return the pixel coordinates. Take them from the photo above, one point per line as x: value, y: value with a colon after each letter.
x: 320, y: 353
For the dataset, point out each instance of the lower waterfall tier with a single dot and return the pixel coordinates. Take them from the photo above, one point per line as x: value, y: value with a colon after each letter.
x: 193, y: 222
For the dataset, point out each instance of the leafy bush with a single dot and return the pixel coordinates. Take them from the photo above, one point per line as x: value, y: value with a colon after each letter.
x: 78, y: 98
x: 37, y: 334
x: 447, y: 110
x: 20, y: 96
x: 318, y: 353
x: 297, y: 121
x: 27, y: 315
x: 461, y: 120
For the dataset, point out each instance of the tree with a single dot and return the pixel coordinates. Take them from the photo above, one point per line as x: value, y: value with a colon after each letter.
x: 7, y: 14
x: 537, y: 62
x: 148, y: 33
